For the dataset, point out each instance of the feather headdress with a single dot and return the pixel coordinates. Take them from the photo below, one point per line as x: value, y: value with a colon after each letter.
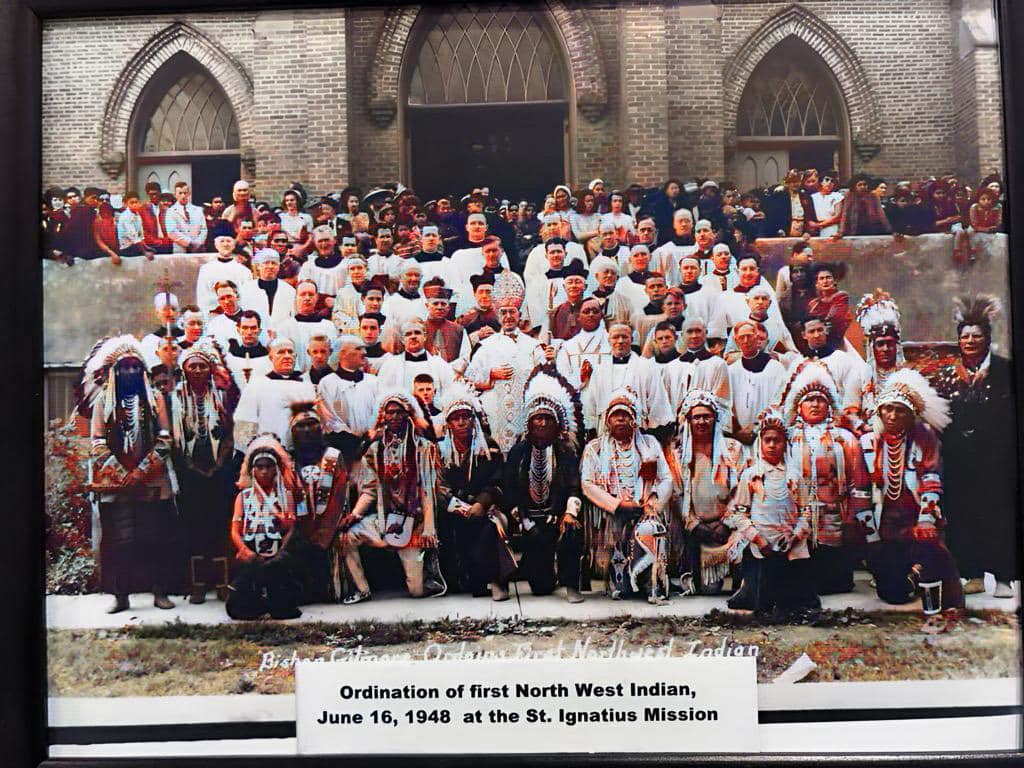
x: 548, y: 392
x: 98, y: 374
x: 696, y: 397
x: 909, y: 388
x: 459, y: 397
x: 978, y: 310
x: 878, y: 315
x: 403, y: 398
x: 809, y: 377
x: 267, y: 445
x: 622, y: 399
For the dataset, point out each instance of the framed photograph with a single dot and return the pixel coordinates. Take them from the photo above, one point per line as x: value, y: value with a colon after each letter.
x: 526, y: 380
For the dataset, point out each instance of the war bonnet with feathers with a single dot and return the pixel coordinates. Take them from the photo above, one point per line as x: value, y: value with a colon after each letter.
x: 547, y: 391
x: 978, y: 310
x: 910, y: 389
x: 98, y: 374
x: 809, y: 377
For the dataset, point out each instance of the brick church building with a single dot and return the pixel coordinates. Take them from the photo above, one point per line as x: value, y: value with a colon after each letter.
x: 521, y: 97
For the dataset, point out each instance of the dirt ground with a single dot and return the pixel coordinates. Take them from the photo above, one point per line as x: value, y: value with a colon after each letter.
x: 179, y: 659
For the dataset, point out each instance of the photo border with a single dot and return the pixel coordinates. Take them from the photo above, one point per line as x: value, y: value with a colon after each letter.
x: 24, y: 736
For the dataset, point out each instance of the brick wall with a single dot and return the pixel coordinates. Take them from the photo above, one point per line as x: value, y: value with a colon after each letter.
x: 643, y: 99
x: 374, y: 152
x: 300, y: 109
x: 912, y: 83
x: 81, y: 59
x: 664, y: 63
x: 695, y: 65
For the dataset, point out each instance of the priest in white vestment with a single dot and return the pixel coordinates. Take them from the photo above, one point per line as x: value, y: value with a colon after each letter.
x: 265, y: 405
x: 399, y: 370
x: 755, y: 380
x: 268, y: 295
x: 305, y: 323
x: 224, y: 267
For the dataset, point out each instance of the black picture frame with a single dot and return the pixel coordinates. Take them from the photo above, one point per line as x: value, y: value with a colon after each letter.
x: 23, y: 724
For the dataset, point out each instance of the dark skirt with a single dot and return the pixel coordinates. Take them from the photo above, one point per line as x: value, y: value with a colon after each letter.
x: 140, y: 547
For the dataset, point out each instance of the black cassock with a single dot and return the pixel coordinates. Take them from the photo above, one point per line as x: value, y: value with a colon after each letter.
x: 470, y: 546
x: 979, y: 470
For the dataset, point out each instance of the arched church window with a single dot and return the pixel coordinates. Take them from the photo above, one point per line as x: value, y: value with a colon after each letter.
x: 485, y: 56
x: 184, y: 128
x: 791, y: 115
x: 193, y: 115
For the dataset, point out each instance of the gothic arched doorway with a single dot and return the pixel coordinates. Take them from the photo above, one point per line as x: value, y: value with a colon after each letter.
x: 184, y: 129
x: 486, y: 94
x: 791, y: 115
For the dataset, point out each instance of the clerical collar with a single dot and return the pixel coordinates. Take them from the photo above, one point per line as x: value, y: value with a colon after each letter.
x: 311, y: 318
x: 551, y: 274
x: 612, y: 254
x: 492, y: 271
x: 756, y: 363
x: 374, y: 350
x: 677, y: 322
x: 682, y: 239
x: 653, y: 308
x: 234, y: 317
x: 175, y: 331
x: 416, y: 357
x: 823, y: 352
x: 425, y: 257
x: 326, y: 262
x: 693, y: 356
x: 356, y: 375
x: 666, y: 357
x: 621, y: 359
x: 437, y: 321
x: 689, y: 288
x: 513, y: 334
x: 316, y: 374
x: 740, y: 289
x: 293, y: 376
x: 223, y: 260
x: 640, y: 276
x: 602, y: 292
x: 236, y: 348
x: 411, y: 295
x: 267, y: 284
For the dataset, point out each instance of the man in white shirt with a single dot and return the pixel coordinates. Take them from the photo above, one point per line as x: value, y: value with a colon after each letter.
x: 186, y: 223
x: 265, y: 405
x: 579, y: 356
x: 848, y: 371
x: 223, y: 324
x: 624, y: 368
x: 544, y: 291
x: 399, y: 370
x: 347, y: 398
x: 224, y: 267
x: 272, y: 298
x: 618, y: 218
x: 247, y: 358
x: 536, y: 260
x: 407, y: 302
x: 617, y: 307
x: 754, y: 382
x: 668, y: 255
x: 326, y: 268
x: 305, y: 322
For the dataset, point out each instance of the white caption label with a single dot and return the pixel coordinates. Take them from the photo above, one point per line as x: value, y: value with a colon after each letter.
x: 595, y: 705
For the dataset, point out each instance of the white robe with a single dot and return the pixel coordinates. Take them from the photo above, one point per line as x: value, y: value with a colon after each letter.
x: 635, y: 293
x: 752, y: 392
x: 543, y: 295
x: 665, y: 258
x: 222, y: 328
x: 731, y: 307
x: 265, y: 406
x: 328, y: 279
x: 253, y: 297
x: 396, y: 371
x: 257, y: 366
x: 300, y: 331
x: 503, y: 403
x: 348, y: 306
x: 537, y: 260
x: 397, y: 308
x: 213, y: 272
x: 678, y: 377
x: 640, y: 375
x: 352, y: 405
x: 592, y: 346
